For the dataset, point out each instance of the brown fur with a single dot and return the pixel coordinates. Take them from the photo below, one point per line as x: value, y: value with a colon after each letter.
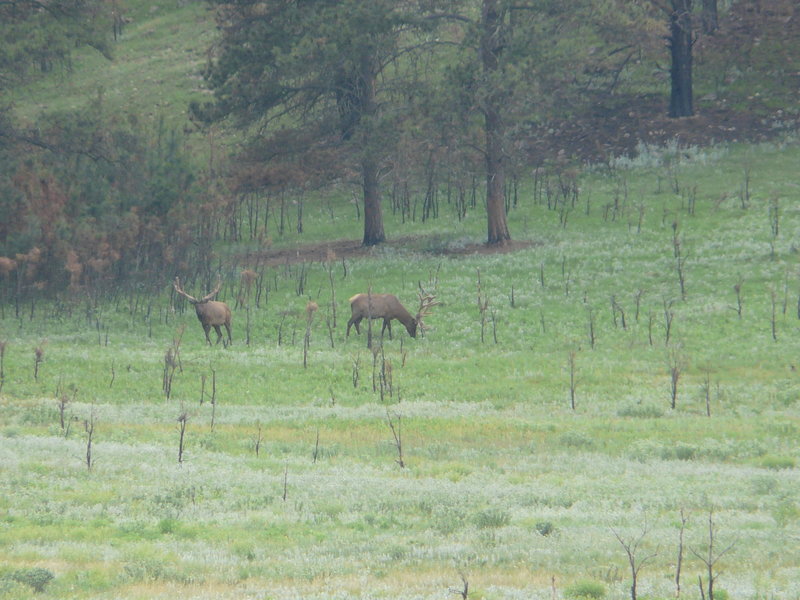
x: 380, y: 306
x: 210, y: 313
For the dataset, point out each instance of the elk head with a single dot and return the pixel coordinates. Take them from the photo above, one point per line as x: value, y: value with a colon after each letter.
x: 210, y: 313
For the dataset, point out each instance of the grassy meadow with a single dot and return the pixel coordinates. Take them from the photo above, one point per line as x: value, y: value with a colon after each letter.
x: 538, y: 437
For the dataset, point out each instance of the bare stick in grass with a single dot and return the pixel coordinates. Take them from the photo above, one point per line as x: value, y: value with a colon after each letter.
x: 706, y: 387
x: 38, y: 358
x: 675, y: 362
x: 397, y: 433
x: 88, y: 426
x: 592, y: 338
x: 356, y: 373
x: 63, y: 401
x: 311, y: 308
x: 258, y: 439
x: 616, y: 309
x: 183, y: 419
x: 641, y: 210
x: 774, y: 223
x: 483, y: 306
x: 284, y: 314
x: 773, y: 323
x: 638, y: 301
x: 330, y: 257
x: 668, y: 317
x: 285, y: 481
x: 572, y: 379
x: 213, y: 398
x: 3, y: 345
x: 632, y: 548
x: 172, y: 362
x: 710, y: 558
x: 464, y: 591
x: 737, y: 288
x: 331, y: 327
x: 679, y: 561
x: 315, y: 454
x: 680, y: 259
x: 744, y: 188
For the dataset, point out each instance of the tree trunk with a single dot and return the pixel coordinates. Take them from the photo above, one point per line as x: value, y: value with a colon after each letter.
x: 495, y: 182
x: 490, y: 50
x: 373, y: 216
x: 370, y: 166
x: 680, y: 45
x: 710, y: 16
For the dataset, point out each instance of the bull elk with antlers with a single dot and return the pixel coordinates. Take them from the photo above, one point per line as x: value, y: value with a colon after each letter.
x: 211, y: 313
x: 388, y: 307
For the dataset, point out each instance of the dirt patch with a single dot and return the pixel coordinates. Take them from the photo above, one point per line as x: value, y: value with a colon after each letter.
x: 318, y: 252
x: 336, y: 250
x: 617, y: 131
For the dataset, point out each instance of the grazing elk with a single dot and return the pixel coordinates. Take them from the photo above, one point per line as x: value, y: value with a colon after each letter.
x: 388, y: 307
x: 211, y: 313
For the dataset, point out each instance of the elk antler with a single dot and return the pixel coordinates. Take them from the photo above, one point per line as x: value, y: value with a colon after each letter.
x: 192, y: 299
x: 427, y: 301
x: 179, y: 289
x: 210, y: 295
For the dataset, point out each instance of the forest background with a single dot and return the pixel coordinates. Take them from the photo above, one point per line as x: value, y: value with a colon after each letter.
x: 117, y: 164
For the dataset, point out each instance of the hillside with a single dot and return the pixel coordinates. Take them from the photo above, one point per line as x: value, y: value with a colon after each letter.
x: 155, y: 72
x: 160, y: 56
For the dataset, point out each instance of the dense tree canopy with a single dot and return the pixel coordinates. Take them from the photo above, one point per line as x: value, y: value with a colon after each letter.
x: 337, y: 73
x: 40, y: 36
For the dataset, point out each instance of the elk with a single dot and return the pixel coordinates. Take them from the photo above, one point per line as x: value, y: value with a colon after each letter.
x: 388, y: 307
x: 211, y: 313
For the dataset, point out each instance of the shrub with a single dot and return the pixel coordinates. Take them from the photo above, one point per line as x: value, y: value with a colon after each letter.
x: 641, y: 411
x: 168, y: 525
x: 35, y: 578
x: 685, y: 451
x: 586, y: 590
x: 576, y: 439
x: 492, y: 517
x: 777, y: 463
x: 545, y: 527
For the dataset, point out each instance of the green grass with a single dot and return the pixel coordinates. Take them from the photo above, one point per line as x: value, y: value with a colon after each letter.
x: 504, y: 483
x: 494, y: 454
x: 155, y: 72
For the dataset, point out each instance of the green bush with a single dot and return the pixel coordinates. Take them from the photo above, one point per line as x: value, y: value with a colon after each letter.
x: 777, y: 463
x: 492, y: 517
x: 544, y: 528
x: 641, y: 411
x: 586, y: 590
x: 35, y: 578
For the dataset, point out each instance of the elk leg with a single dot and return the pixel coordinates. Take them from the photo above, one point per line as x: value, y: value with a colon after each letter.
x: 387, y: 325
x: 219, y: 333
x: 228, y: 329
x: 206, y: 329
x: 353, y: 322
